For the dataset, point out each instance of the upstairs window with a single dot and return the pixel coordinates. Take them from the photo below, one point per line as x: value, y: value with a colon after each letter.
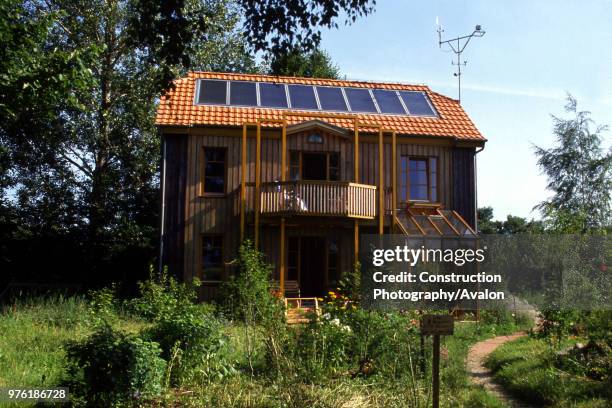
x: 315, y: 166
x: 213, y: 171
x: 212, y: 257
x: 419, y: 179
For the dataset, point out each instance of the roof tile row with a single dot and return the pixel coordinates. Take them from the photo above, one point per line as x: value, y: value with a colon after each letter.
x: 177, y: 108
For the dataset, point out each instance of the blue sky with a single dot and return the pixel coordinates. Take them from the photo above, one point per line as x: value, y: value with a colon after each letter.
x: 516, y: 76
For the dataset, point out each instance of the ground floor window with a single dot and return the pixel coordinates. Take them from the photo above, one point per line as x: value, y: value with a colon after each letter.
x: 212, y: 257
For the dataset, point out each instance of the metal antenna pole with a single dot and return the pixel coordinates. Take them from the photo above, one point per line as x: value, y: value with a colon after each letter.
x: 459, y: 48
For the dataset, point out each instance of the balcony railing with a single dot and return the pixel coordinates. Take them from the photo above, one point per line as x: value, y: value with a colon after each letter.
x: 322, y: 198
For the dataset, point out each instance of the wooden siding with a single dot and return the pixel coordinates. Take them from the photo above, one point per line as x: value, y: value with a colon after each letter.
x: 368, y: 167
x: 175, y: 168
x: 221, y: 215
x: 463, y: 184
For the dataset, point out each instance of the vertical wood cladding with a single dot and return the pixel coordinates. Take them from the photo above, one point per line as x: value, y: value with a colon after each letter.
x: 221, y: 215
x: 174, y: 202
x: 464, y: 184
x: 368, y: 166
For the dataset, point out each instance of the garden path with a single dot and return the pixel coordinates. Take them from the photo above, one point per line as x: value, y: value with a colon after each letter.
x: 481, y: 375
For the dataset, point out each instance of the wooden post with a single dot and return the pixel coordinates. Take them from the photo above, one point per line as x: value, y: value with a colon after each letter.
x: 282, y: 223
x: 356, y: 238
x: 356, y: 152
x: 381, y: 184
x: 356, y: 178
x: 435, y: 372
x: 393, y: 180
x: 436, y: 325
x: 282, y: 257
x: 284, y: 152
x: 257, y: 197
x: 243, y: 181
x: 422, y: 354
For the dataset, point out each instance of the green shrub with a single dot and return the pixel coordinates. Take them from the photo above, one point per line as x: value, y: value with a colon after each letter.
x: 102, y: 305
x: 189, y: 334
x: 250, y: 298
x: 191, y: 342
x: 110, y: 368
x: 323, y: 348
x: 499, y: 316
x: 162, y: 297
x: 384, y: 342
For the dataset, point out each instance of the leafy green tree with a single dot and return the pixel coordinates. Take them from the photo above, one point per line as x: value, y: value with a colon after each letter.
x: 313, y: 64
x: 579, y: 174
x: 167, y: 30
x: 512, y: 224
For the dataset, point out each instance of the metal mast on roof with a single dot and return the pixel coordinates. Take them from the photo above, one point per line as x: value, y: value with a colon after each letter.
x: 458, y: 45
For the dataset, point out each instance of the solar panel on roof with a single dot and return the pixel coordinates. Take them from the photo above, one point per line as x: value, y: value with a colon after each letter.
x: 302, y: 97
x: 388, y: 101
x: 272, y: 95
x: 417, y: 103
x: 360, y: 100
x: 243, y: 93
x: 331, y: 99
x: 212, y: 91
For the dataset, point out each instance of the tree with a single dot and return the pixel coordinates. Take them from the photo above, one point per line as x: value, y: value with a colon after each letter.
x: 168, y: 29
x: 84, y: 161
x: 313, y: 64
x: 579, y: 174
x: 512, y: 224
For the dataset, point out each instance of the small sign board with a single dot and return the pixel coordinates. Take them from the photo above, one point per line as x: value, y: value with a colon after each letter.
x: 437, y: 324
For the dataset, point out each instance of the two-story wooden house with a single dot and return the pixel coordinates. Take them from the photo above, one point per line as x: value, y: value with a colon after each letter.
x: 303, y: 167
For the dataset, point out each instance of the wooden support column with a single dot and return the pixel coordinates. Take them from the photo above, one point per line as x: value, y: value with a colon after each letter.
x: 381, y: 184
x: 393, y: 180
x: 282, y: 222
x: 257, y: 197
x: 356, y: 152
x: 356, y: 239
x: 435, y: 372
x: 243, y: 159
x: 356, y: 178
x: 282, y: 258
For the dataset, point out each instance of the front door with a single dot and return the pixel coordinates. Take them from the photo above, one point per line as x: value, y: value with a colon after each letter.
x: 312, y: 266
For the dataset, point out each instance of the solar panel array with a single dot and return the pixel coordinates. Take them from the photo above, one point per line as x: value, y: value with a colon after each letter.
x: 313, y: 97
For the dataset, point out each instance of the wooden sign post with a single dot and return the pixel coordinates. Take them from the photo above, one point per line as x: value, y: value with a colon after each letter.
x: 436, y: 325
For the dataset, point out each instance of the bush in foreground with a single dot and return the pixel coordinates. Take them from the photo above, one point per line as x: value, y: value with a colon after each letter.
x: 112, y: 367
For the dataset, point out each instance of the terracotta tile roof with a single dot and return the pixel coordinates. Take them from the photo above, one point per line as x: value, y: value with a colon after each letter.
x: 177, y: 108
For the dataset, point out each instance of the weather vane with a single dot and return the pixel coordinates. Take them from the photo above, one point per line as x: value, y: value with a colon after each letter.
x: 458, y: 45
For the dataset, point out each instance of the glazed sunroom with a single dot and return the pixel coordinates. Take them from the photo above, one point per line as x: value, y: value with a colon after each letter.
x: 303, y: 167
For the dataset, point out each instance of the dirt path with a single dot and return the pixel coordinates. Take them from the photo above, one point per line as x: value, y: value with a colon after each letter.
x: 481, y: 375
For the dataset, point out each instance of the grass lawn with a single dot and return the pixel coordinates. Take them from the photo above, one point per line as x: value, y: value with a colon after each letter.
x: 31, y: 355
x: 526, y: 368
x: 32, y: 334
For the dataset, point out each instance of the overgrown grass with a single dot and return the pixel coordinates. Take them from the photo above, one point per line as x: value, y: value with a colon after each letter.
x: 33, y: 332
x: 526, y: 368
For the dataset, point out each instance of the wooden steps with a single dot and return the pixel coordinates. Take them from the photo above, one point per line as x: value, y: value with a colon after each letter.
x: 301, y: 310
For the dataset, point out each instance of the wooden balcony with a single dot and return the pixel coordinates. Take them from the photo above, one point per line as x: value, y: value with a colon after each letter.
x: 318, y: 198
